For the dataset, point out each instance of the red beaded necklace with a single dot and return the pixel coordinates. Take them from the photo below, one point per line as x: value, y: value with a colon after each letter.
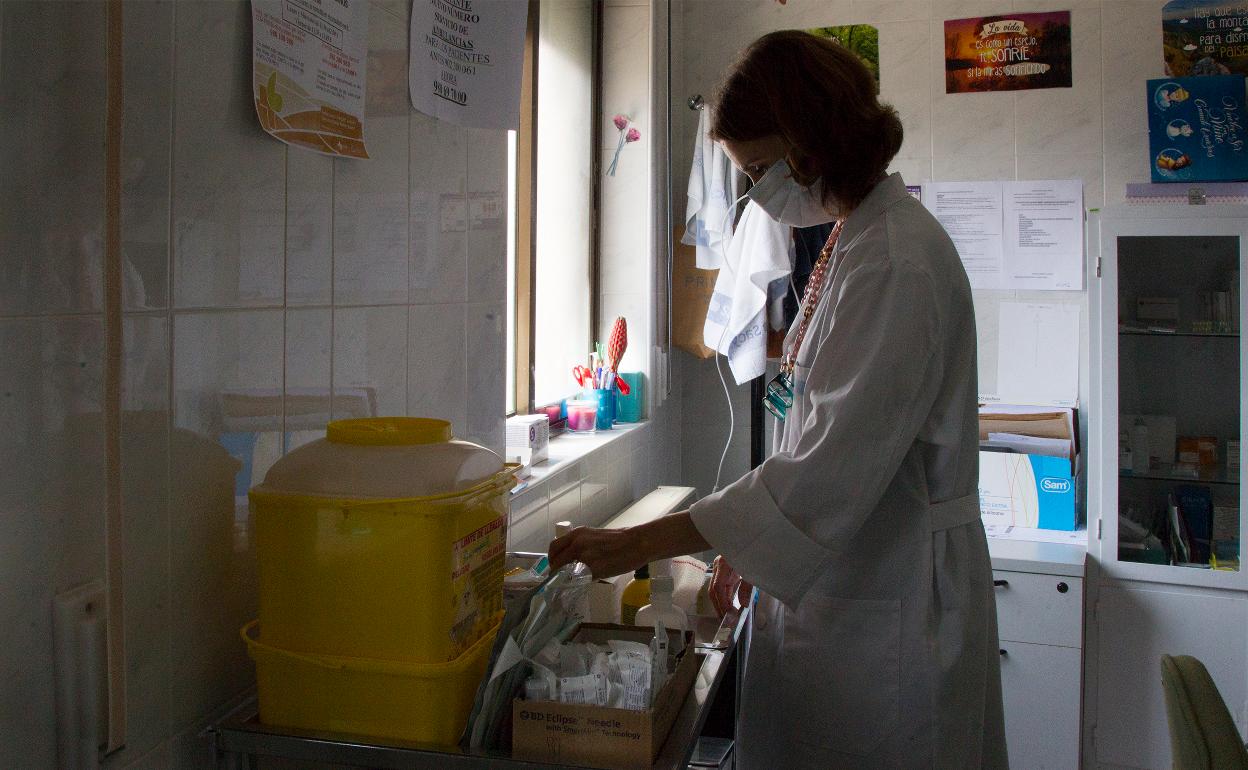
x: 810, y: 298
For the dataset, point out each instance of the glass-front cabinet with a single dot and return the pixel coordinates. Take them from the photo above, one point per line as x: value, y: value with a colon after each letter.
x: 1166, y: 382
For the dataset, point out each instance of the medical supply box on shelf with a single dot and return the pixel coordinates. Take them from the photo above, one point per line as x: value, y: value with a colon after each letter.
x: 595, y: 736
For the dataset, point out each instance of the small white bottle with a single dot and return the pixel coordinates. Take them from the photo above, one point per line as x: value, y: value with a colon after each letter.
x: 661, y: 606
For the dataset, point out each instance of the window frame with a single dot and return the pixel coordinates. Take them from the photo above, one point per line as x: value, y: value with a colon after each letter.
x: 523, y: 330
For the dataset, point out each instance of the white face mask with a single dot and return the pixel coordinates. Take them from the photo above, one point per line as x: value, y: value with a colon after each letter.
x: 788, y: 202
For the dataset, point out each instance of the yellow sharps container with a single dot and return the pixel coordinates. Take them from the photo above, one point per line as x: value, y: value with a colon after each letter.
x: 381, y: 551
x: 384, y: 540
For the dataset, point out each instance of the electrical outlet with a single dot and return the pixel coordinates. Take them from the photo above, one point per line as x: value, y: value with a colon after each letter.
x: 80, y: 624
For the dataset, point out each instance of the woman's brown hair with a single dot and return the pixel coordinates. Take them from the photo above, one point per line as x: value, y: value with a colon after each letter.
x: 820, y: 98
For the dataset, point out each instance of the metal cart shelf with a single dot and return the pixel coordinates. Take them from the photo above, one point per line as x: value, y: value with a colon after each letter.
x: 240, y: 739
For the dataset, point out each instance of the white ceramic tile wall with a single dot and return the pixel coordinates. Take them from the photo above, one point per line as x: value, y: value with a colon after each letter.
x: 249, y: 268
x: 1095, y: 131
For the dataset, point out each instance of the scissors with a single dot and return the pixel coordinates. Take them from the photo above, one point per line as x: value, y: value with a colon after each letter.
x: 583, y: 376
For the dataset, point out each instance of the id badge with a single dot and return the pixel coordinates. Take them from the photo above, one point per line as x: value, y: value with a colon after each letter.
x: 779, y: 396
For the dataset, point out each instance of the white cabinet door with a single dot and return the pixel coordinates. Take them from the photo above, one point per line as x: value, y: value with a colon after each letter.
x: 1135, y: 627
x: 1040, y: 687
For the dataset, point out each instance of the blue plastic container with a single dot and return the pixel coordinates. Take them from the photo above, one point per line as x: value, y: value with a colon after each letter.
x: 606, y: 406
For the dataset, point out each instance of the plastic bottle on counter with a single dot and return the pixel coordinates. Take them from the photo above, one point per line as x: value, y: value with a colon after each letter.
x: 661, y: 607
x: 636, y: 595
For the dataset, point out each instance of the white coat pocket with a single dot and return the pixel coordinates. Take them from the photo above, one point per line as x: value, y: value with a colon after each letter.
x: 842, y: 671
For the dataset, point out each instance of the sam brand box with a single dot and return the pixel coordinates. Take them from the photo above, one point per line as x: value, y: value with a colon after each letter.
x: 1026, y: 491
x: 1196, y: 129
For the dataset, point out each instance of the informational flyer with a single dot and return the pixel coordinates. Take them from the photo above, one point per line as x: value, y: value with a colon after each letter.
x: 308, y: 72
x: 467, y: 59
x: 1014, y: 235
x: 1205, y: 37
x: 1009, y: 52
x: 971, y: 213
x: 1040, y: 365
x: 1044, y: 234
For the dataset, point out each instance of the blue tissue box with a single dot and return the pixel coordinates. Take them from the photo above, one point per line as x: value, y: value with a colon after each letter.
x: 1196, y: 129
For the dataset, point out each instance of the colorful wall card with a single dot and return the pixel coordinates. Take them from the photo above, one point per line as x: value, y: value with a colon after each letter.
x: 1205, y: 37
x: 1196, y: 129
x: 1013, y: 52
x: 863, y: 40
x: 308, y: 72
x: 467, y: 59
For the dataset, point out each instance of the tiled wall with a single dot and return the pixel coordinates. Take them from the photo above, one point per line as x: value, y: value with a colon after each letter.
x: 1095, y: 131
x: 250, y: 269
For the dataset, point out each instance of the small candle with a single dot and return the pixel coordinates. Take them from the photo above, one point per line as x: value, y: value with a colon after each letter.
x: 582, y: 415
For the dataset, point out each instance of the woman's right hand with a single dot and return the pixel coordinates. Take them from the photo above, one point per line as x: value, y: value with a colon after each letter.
x: 728, y: 592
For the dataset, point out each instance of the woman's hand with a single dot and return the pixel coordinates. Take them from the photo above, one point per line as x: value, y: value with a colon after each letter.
x: 729, y: 592
x: 611, y: 552
x: 608, y: 552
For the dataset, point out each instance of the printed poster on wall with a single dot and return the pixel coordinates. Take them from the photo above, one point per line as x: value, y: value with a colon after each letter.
x: 1204, y: 37
x: 308, y: 72
x: 863, y: 40
x: 467, y: 58
x: 1012, y: 52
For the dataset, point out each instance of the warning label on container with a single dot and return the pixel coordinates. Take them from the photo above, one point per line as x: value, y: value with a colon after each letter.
x: 477, y: 562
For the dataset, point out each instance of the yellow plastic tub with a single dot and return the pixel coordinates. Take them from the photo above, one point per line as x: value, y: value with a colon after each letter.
x: 425, y: 702
x: 386, y: 540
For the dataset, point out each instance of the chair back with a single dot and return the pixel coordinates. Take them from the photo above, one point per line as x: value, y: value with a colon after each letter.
x: 1203, y: 735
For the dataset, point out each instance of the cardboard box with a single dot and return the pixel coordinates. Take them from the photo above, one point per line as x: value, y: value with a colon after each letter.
x: 604, y: 737
x: 1027, y: 491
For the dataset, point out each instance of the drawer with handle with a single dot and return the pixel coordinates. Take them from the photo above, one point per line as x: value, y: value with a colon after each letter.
x: 1037, y: 608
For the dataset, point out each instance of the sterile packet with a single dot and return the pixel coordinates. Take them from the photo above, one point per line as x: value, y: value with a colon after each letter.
x: 631, y: 663
x: 593, y: 689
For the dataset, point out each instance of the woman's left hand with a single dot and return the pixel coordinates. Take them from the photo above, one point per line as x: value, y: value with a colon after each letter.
x: 607, y: 552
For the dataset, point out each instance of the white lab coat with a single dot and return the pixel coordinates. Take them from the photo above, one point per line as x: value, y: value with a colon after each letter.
x: 874, y: 641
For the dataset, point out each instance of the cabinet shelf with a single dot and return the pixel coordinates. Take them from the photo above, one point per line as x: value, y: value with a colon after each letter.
x: 1148, y: 333
x: 1168, y: 473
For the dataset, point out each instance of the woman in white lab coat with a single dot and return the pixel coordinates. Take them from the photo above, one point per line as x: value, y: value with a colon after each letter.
x: 874, y: 639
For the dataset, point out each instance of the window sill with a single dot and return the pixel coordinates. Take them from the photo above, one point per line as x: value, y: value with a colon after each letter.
x: 588, y: 479
x: 568, y: 448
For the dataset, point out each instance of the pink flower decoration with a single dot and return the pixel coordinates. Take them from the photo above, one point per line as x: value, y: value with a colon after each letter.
x: 632, y: 135
x: 621, y: 122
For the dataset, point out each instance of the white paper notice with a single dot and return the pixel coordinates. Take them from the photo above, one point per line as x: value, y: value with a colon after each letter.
x: 308, y: 72
x: 1044, y: 234
x: 1014, y: 235
x: 1040, y: 362
x: 467, y: 60
x: 971, y: 213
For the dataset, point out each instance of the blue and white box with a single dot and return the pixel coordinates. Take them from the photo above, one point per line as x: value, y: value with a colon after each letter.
x: 1196, y: 129
x: 1021, y: 490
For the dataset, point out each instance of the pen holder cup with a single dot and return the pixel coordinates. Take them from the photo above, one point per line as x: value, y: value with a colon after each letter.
x: 582, y: 415
x: 628, y: 408
x: 606, y: 407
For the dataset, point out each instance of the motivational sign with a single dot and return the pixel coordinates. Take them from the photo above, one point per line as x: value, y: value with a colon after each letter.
x: 1205, y: 37
x: 1008, y: 53
x: 467, y: 59
x: 308, y: 72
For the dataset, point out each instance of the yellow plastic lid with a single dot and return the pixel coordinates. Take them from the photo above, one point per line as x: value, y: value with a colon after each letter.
x: 383, y: 458
x: 389, y: 431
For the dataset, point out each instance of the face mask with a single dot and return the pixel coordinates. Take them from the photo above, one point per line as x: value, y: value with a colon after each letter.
x: 788, y: 202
